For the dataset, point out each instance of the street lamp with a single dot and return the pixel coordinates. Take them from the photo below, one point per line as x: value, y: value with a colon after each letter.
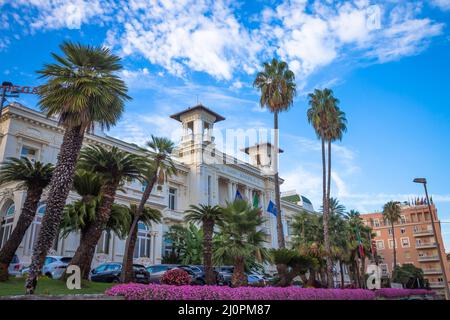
x: 441, y: 260
x: 14, y: 93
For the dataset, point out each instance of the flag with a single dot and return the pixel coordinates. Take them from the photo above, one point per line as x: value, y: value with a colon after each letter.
x: 238, y: 196
x: 272, y: 208
x: 360, y: 244
x: 256, y: 203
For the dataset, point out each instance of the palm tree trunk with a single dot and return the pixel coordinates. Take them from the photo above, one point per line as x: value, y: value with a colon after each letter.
x: 394, y: 246
x: 60, y: 186
x: 127, y: 271
x: 326, y: 235
x: 86, y: 250
x: 341, y: 270
x: 239, y: 279
x: 25, y: 219
x: 280, y: 233
x: 363, y: 272
x: 329, y: 175
x: 127, y: 263
x: 208, y: 229
x: 358, y: 277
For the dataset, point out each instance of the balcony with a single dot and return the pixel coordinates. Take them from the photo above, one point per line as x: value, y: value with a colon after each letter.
x: 437, y: 285
x: 428, y: 258
x: 426, y: 245
x: 431, y: 271
x: 423, y: 232
x: 174, y: 215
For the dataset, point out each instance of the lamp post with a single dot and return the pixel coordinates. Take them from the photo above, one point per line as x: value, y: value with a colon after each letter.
x: 441, y: 260
x: 7, y: 86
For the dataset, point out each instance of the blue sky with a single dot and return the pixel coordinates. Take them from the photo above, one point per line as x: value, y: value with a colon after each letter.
x: 387, y: 61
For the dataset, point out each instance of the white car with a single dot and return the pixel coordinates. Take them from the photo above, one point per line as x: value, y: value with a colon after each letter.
x: 54, y: 266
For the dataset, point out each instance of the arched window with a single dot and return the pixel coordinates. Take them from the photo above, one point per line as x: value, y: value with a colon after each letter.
x: 6, y: 222
x: 103, y: 242
x: 142, y: 248
x: 35, y: 228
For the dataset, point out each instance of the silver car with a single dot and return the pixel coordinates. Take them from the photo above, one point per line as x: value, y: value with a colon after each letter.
x: 54, y: 266
x: 15, y: 267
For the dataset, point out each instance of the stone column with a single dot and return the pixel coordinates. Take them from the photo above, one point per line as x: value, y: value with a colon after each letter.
x: 230, y: 191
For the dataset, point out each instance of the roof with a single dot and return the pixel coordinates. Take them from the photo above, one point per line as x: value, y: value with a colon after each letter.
x: 293, y: 198
x: 178, y: 115
x: 258, y: 145
x: 306, y: 200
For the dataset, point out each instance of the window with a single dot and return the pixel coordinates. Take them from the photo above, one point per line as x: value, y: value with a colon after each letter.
x: 103, y: 242
x: 142, y: 248
x: 402, y: 219
x: 172, y: 198
x: 390, y: 231
x: 29, y: 153
x: 380, y: 244
x: 35, y: 228
x: 427, y: 216
x: 378, y: 233
x: 391, y: 243
x: 144, y: 185
x: 376, y: 223
x: 405, y: 242
x: 384, y: 268
x: 6, y: 224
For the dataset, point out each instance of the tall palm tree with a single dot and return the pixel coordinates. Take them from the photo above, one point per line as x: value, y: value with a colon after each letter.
x: 82, y: 89
x: 114, y: 167
x: 278, y: 89
x: 207, y: 216
x: 322, y: 103
x: 157, y: 170
x: 240, y: 238
x: 34, y: 177
x: 392, y: 214
x: 337, y: 126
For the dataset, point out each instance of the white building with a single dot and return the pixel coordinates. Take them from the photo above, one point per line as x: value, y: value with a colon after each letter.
x: 201, y: 178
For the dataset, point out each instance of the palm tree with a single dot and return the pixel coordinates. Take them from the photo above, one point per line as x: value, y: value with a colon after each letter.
x: 337, y: 126
x: 157, y: 170
x: 278, y: 89
x: 34, y: 177
x: 240, y: 238
x: 82, y: 89
x: 114, y: 167
x: 147, y: 216
x: 392, y: 213
x: 322, y: 104
x: 207, y: 216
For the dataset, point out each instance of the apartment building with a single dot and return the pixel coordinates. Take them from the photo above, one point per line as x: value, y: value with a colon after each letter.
x: 414, y: 241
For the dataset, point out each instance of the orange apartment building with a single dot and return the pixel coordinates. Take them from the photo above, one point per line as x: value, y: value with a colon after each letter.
x: 414, y: 242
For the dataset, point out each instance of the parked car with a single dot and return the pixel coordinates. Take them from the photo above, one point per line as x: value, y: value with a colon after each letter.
x: 110, y: 272
x: 54, y: 266
x: 225, y: 274
x: 157, y: 271
x: 15, y: 267
x: 198, y: 276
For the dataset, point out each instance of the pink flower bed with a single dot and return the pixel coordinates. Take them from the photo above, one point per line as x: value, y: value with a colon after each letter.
x: 166, y: 292
x: 399, y: 293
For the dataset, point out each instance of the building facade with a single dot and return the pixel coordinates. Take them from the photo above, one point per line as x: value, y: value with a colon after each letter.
x: 204, y: 175
x: 414, y: 242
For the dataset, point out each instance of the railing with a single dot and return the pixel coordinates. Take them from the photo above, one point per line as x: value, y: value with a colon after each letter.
x: 437, y: 285
x: 426, y: 245
x: 432, y: 271
x: 423, y: 232
x: 428, y: 258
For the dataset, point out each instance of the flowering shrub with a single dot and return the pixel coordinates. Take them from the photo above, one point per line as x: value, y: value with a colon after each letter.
x: 177, y: 277
x: 400, y: 293
x: 166, y: 292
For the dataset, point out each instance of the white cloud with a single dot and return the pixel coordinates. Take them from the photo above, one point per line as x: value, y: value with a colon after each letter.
x: 214, y: 37
x: 442, y: 4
